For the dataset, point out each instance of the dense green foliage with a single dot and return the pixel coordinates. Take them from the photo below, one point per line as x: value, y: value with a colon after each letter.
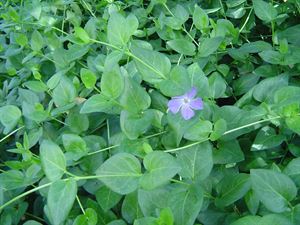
x: 86, y: 137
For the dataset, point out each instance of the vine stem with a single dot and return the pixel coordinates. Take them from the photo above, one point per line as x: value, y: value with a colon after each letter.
x: 225, y: 133
x: 50, y: 183
x: 11, y: 133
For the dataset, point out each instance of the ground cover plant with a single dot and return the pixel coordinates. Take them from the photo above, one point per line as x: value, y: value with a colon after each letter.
x: 150, y: 112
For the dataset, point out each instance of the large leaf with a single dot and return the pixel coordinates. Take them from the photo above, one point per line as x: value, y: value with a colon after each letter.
x: 200, y: 18
x: 100, y: 103
x: 293, y: 170
x: 53, y: 160
x: 185, y: 202
x: 120, y: 29
x: 112, y: 83
x: 65, y: 92
x: 107, y: 198
x: 9, y: 117
x: 182, y: 46
x: 161, y: 167
x: 266, y: 138
x: 274, y: 189
x: 134, y: 125
x: 134, y: 99
x: 178, y: 82
x: 264, y: 11
x: 196, y: 161
x: 232, y: 188
x: 74, y: 145
x: 60, y: 200
x: 121, y: 173
x: 153, y: 66
x: 209, y: 45
x: 130, y: 208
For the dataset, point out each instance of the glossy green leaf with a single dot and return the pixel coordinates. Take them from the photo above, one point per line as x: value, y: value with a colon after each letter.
x: 274, y: 189
x: 61, y: 193
x: 160, y: 167
x: 208, y: 46
x: 9, y: 117
x: 74, y: 145
x: 200, y: 18
x: 88, y: 78
x: 196, y: 161
x: 112, y: 83
x: 264, y: 11
x: 53, y: 160
x: 182, y: 46
x: 121, y: 173
x: 107, y: 198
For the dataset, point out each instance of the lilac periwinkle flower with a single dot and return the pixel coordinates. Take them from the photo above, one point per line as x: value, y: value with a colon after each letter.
x: 186, y: 103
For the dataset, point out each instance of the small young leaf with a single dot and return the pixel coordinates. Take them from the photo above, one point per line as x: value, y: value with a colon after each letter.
x: 88, y: 78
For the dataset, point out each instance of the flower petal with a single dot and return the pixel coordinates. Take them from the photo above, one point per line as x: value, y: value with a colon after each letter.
x: 196, y: 104
x: 175, y: 104
x: 192, y: 93
x: 186, y: 112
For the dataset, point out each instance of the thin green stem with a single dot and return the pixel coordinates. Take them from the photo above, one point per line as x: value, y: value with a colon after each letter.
x: 89, y: 9
x: 11, y: 133
x: 115, y: 146
x: 246, y: 21
x: 180, y: 182
x: 80, y: 205
x: 183, y: 28
x: 227, y: 132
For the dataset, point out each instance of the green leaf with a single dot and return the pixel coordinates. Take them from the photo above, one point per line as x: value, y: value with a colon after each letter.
x: 199, y: 131
x: 275, y: 219
x: 81, y: 34
x: 161, y: 167
x: 293, y: 170
x: 121, y: 173
x: 217, y: 85
x: 220, y: 128
x: 130, y: 208
x: 60, y: 199
x: 31, y: 222
x: 53, y: 160
x: 107, y: 198
x: 74, y: 145
x: 266, y: 138
x: 264, y: 11
x: 196, y: 161
x: 198, y: 80
x: 88, y: 78
x: 65, y: 92
x: 232, y: 188
x: 9, y: 117
x: 293, y: 123
x: 274, y: 189
x: 182, y: 46
x: 248, y: 220
x: 120, y: 29
x: 112, y: 83
x: 134, y: 125
x: 12, y: 179
x: 208, y: 46
x: 264, y: 90
x: 166, y: 217
x: 228, y: 152
x: 134, y: 98
x: 177, y: 84
x: 186, y: 203
x: 245, y: 83
x: 37, y: 41
x: 200, y: 18
x: 153, y: 66
x: 100, y: 103
x: 151, y: 200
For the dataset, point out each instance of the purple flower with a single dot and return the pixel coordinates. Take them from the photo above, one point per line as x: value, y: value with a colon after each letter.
x: 186, y: 103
